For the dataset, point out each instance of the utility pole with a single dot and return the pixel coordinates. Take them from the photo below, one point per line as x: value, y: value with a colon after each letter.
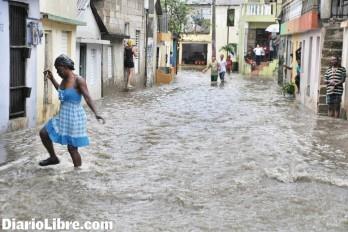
x: 213, y: 40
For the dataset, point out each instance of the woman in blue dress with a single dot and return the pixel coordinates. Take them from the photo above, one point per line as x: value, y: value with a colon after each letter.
x: 68, y: 127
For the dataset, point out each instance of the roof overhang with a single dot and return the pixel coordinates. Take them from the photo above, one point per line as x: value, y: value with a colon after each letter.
x: 92, y: 41
x: 64, y: 20
x: 110, y: 36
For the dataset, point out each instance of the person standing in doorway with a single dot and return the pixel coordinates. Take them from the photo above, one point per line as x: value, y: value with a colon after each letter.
x: 68, y: 127
x: 129, y: 53
x: 335, y: 76
x: 222, y: 68
x: 258, y: 54
x: 298, y: 52
x: 214, y: 66
x: 298, y: 76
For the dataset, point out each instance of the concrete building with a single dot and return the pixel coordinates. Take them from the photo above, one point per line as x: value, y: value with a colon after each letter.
x: 195, y: 44
x: 341, y: 9
x: 314, y: 28
x: 89, y: 49
x: 227, y: 25
x: 19, y: 36
x: 255, y: 17
x: 119, y: 21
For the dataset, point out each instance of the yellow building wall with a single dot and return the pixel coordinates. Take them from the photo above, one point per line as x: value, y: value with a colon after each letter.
x: 55, y: 29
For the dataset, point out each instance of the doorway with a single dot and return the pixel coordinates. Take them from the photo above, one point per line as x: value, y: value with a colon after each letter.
x: 18, y: 54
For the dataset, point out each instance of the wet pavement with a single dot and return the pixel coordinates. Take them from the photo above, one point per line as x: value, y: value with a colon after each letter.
x: 190, y: 157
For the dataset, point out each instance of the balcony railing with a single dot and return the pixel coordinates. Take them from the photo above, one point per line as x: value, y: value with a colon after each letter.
x: 296, y: 8
x: 310, y: 5
x: 258, y: 9
x: 339, y: 9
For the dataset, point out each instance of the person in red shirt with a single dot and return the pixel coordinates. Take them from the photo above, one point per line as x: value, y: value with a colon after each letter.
x: 229, y: 64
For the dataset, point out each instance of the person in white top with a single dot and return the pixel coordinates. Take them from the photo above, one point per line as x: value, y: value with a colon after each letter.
x: 222, y: 68
x: 258, y: 53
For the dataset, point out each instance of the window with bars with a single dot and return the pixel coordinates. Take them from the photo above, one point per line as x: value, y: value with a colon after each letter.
x: 339, y: 8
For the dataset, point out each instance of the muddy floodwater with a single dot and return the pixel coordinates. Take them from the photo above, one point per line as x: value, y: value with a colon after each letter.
x: 190, y: 157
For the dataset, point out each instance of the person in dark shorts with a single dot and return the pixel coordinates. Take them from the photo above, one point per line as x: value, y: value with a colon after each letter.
x: 129, y: 53
x: 222, y: 68
x: 334, y: 78
x: 214, y: 66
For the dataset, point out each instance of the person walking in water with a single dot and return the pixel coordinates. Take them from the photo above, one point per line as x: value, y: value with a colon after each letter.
x: 222, y: 68
x: 214, y: 66
x: 68, y: 127
x: 129, y: 53
x: 334, y: 78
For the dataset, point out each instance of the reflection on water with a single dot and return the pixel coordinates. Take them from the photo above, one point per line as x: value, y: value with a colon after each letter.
x: 191, y: 157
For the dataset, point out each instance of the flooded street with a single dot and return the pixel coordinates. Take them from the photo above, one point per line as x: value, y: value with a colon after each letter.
x: 190, y: 157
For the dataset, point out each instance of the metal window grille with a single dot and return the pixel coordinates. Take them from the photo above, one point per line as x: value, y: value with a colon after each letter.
x: 339, y: 8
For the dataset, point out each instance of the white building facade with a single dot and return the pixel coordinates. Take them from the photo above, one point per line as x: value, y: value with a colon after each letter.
x: 19, y: 35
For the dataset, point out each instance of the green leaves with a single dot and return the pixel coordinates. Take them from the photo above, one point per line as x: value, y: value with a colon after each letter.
x: 229, y: 48
x: 177, y: 14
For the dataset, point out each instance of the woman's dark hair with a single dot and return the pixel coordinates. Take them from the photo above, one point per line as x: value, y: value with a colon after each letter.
x: 64, y: 60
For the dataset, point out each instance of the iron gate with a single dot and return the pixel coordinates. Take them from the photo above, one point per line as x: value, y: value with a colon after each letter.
x: 18, y: 54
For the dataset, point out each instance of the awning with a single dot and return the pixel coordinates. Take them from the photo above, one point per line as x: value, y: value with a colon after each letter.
x: 60, y: 19
x: 110, y: 36
x: 92, y: 41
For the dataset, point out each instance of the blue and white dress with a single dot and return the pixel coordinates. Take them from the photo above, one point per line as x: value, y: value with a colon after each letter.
x: 68, y: 127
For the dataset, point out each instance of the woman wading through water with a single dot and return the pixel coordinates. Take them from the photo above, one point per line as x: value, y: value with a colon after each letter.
x: 68, y: 127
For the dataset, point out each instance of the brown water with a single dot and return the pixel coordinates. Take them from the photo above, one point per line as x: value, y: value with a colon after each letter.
x: 190, y: 157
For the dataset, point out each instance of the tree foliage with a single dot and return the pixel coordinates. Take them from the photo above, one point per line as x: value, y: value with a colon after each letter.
x: 201, y: 24
x: 177, y: 11
x: 229, y: 48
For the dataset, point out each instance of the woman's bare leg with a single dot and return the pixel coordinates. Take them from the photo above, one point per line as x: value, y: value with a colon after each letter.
x: 129, y: 76
x: 47, y: 142
x: 75, y: 156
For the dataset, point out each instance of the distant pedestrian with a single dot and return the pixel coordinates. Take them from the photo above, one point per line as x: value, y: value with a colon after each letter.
x: 249, y: 60
x: 172, y: 62
x: 68, y: 127
x: 298, y: 76
x: 129, y: 53
x: 214, y: 66
x: 229, y: 64
x: 298, y: 52
x: 222, y: 68
x: 271, y: 50
x: 258, y: 54
x: 335, y: 76
x: 298, y: 72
